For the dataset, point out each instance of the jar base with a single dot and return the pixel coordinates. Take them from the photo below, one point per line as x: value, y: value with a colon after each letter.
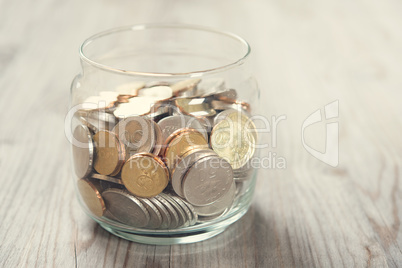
x: 159, y: 239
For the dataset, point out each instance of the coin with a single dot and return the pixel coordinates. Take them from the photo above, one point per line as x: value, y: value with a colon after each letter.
x: 110, y: 153
x: 158, y: 138
x: 206, y: 219
x: 183, y: 220
x: 136, y: 133
x: 198, y: 107
x: 194, y: 215
x: 135, y: 106
x: 91, y: 197
x: 104, y: 185
x: 181, y: 142
x: 232, y: 141
x: 155, y: 220
x: 229, y: 95
x: 159, y: 110
x: 158, y: 92
x: 99, y: 120
x: 219, y: 205
x: 107, y: 178
x: 171, y: 124
x: 145, y: 175
x: 221, y: 105
x: 130, y: 88
x: 207, y: 180
x: 126, y: 207
x: 189, y: 216
x: 174, y: 223
x: 184, y: 85
x: 166, y: 218
x: 186, y: 161
x: 83, y: 151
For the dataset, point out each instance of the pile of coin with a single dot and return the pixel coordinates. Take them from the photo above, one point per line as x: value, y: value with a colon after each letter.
x: 163, y: 156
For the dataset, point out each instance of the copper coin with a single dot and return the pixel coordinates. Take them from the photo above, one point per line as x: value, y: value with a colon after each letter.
x: 145, y: 175
x: 110, y: 153
x: 91, y: 197
x: 83, y: 151
x: 181, y: 142
x: 171, y: 124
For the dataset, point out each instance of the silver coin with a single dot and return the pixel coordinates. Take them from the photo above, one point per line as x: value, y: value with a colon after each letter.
x: 136, y: 133
x: 183, y: 220
x: 181, y: 168
x: 204, y: 219
x: 166, y: 219
x: 106, y: 178
x: 83, y: 151
x: 171, y: 124
x: 189, y: 214
x: 159, y: 111
x: 158, y: 138
x: 219, y: 205
x: 207, y: 122
x: 155, y: 220
x: 110, y: 216
x: 126, y: 207
x: 173, y: 214
x: 194, y: 215
x: 99, y: 120
x: 207, y: 180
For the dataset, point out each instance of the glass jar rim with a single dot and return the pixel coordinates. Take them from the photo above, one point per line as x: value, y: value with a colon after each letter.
x: 139, y: 27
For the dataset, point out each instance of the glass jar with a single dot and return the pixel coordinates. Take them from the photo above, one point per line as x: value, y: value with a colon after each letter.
x: 162, y: 132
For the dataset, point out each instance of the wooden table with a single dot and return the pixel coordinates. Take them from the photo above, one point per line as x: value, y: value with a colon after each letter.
x: 305, y: 55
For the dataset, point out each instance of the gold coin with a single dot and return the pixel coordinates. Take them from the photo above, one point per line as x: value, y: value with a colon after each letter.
x: 182, y: 141
x: 198, y: 107
x: 91, y: 197
x: 145, y: 175
x: 231, y: 141
x: 110, y: 153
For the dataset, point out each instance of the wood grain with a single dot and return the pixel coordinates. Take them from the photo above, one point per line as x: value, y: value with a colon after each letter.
x: 305, y: 55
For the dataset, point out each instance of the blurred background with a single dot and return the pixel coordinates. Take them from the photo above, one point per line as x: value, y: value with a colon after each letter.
x: 305, y: 55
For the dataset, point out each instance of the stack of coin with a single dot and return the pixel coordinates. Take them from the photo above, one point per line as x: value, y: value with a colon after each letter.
x: 161, y: 155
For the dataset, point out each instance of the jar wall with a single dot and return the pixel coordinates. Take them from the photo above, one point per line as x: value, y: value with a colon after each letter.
x: 207, y: 78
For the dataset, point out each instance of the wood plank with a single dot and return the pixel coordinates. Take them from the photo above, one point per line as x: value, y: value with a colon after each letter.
x: 305, y: 55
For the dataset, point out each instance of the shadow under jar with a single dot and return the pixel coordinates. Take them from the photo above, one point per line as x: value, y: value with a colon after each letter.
x: 162, y: 132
